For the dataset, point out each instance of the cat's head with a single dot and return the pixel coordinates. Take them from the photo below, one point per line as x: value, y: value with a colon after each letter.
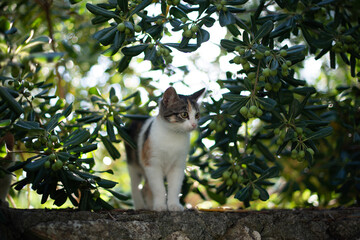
x: 180, y: 111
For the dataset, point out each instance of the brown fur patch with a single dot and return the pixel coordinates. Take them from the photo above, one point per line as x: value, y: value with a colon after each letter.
x: 189, y: 106
x: 145, y: 153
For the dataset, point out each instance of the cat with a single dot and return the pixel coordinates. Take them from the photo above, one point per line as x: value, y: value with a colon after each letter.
x: 163, y: 143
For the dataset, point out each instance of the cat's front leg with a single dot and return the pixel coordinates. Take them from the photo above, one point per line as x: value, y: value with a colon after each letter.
x: 175, y: 179
x: 155, y: 179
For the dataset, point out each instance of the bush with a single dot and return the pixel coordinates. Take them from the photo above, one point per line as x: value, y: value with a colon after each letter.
x: 268, y: 125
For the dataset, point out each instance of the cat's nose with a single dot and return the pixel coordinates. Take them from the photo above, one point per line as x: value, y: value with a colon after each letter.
x: 194, y: 125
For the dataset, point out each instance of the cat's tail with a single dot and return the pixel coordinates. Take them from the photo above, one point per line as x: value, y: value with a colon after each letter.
x: 136, y: 172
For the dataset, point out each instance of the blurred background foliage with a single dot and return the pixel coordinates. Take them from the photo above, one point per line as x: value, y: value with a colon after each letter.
x: 74, y: 73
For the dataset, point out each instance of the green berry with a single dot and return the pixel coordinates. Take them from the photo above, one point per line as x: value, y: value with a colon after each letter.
x: 159, y: 21
x: 237, y: 60
x: 289, y: 63
x: 52, y: 156
x: 279, y: 141
x: 137, y: 28
x: 121, y: 27
x: 127, y: 31
x: 244, y: 110
x: 47, y: 164
x: 226, y: 175
x: 212, y: 125
x: 71, y: 167
x: 251, y: 75
x: 283, y: 53
x: 262, y: 78
x: 259, y: 55
x: 268, y: 87
x: 310, y: 151
x: 301, y: 154
x: 234, y: 176
x: 259, y: 112
x: 299, y: 130
x: 229, y: 182
x: 255, y: 193
x: 253, y: 109
x: 194, y: 28
x: 58, y: 164
x: 114, y: 99
x: 237, y: 48
x: 246, y: 66
x: 241, y: 51
x: 187, y: 33
x: 267, y: 53
x: 284, y: 66
x: 53, y: 138
x: 273, y: 72
x: 266, y: 72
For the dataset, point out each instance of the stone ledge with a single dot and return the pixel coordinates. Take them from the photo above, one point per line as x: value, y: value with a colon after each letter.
x: 190, y: 224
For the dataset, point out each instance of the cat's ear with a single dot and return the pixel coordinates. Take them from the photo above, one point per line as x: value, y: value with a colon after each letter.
x: 170, y: 96
x: 195, y: 96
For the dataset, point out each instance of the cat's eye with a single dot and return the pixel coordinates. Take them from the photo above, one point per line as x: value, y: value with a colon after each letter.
x: 184, y: 115
x: 197, y: 115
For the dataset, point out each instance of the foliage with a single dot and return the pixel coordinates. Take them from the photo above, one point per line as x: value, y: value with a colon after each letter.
x: 269, y: 41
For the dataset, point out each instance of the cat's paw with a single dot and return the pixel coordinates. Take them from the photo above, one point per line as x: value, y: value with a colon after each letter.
x: 175, y: 207
x: 159, y: 207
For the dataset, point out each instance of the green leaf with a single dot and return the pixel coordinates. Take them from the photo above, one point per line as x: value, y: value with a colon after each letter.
x: 228, y: 45
x: 114, y: 153
x: 125, y: 136
x: 267, y: 103
x: 233, y: 29
x: 322, y: 133
x: 28, y: 125
x: 235, y: 97
x: 109, y: 37
x: 265, y: 151
x: 124, y: 63
x: 134, y: 50
x: 123, y: 4
x: 54, y: 121
x: 121, y: 197
x: 5, y: 123
x: 60, y: 197
x: 46, y: 57
x: 264, y: 195
x: 77, y: 137
x: 264, y: 30
x: 110, y: 130
x: 36, y: 165
x: 68, y: 110
x: 226, y: 18
x: 141, y: 6
x: 106, y: 183
x: 118, y: 42
x: 135, y: 94
x: 186, y: 48
x: 84, y: 149
x: 243, y: 194
x: 304, y: 90
x: 96, y: 10
x: 178, y: 13
x: 12, y: 103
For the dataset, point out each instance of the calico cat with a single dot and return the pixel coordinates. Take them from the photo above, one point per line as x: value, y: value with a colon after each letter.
x: 162, y: 146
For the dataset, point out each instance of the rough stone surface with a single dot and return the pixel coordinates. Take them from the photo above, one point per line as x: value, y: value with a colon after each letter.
x: 118, y: 224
